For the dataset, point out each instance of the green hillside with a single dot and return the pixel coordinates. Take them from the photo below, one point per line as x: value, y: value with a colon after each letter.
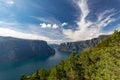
x: 100, y: 63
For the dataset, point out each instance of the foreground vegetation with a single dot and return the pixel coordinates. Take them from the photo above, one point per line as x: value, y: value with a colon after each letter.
x: 100, y: 63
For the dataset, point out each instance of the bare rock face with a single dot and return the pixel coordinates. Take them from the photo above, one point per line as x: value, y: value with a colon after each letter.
x: 19, y: 49
x: 81, y: 45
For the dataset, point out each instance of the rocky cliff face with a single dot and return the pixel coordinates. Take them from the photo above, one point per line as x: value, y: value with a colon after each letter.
x: 18, y: 49
x: 81, y: 45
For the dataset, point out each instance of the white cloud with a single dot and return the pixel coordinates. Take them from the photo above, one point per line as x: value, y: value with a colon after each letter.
x: 43, y: 25
x: 86, y: 28
x: 13, y: 33
x: 64, y: 24
x: 30, y: 31
x: 55, y: 26
x: 49, y: 25
x: 50, y: 21
x: 10, y: 2
x: 17, y: 34
x: 52, y: 26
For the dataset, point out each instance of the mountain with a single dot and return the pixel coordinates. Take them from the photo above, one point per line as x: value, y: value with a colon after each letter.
x: 99, y: 63
x: 53, y: 45
x: 81, y: 45
x: 13, y: 49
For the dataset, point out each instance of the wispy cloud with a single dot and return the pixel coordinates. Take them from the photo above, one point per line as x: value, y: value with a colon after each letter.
x: 50, y: 20
x: 86, y: 28
x: 30, y: 31
x: 17, y: 34
x: 13, y: 33
x: 10, y: 2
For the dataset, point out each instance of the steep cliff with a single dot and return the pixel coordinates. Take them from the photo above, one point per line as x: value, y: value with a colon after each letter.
x: 18, y: 49
x: 81, y: 45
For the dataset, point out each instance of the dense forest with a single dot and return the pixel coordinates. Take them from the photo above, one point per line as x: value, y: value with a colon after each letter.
x: 99, y: 63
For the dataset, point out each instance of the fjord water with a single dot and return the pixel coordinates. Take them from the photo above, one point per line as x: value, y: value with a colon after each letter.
x: 13, y: 70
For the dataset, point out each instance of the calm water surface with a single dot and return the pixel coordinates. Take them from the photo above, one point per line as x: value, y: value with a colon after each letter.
x: 13, y: 70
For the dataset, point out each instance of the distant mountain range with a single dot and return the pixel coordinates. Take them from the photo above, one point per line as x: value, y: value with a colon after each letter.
x: 13, y: 49
x: 81, y: 45
x: 54, y: 45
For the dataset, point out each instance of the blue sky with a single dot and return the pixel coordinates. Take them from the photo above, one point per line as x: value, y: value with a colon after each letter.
x: 57, y: 21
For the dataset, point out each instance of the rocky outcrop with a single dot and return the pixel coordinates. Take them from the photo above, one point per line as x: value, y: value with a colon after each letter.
x: 81, y: 45
x: 18, y: 49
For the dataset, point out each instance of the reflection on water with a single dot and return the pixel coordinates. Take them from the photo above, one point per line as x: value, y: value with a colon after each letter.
x: 13, y: 70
